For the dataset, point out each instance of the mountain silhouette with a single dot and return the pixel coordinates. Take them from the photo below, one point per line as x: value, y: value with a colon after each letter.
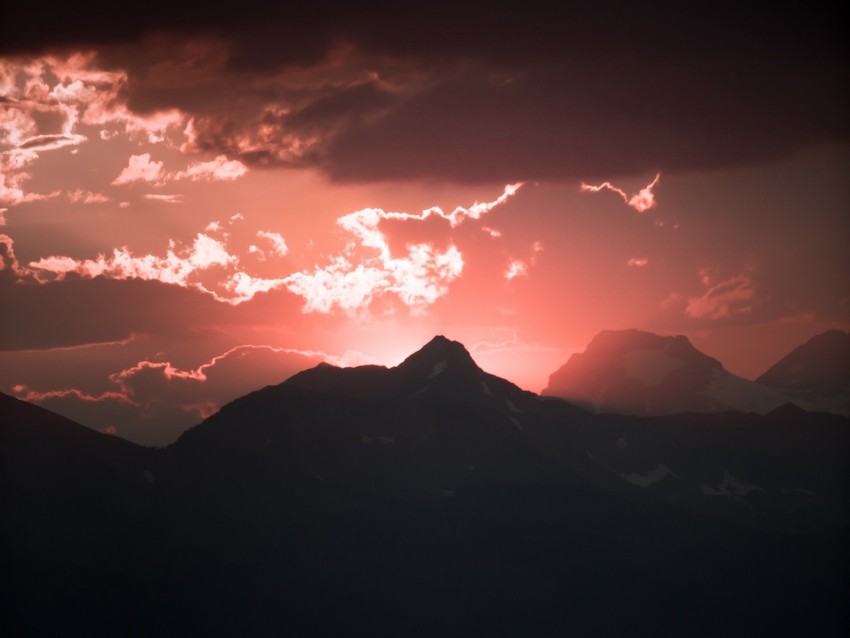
x: 640, y: 373
x: 816, y: 374
x: 431, y: 498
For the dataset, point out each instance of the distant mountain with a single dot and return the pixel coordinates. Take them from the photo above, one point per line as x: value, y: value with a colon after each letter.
x: 427, y: 499
x: 816, y: 374
x: 639, y: 373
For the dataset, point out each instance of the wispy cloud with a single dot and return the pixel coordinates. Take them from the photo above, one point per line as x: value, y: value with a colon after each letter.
x: 81, y: 196
x: 218, y: 169
x: 641, y: 201
x: 175, y: 198
x: 418, y: 278
x: 733, y: 296
x: 367, y: 268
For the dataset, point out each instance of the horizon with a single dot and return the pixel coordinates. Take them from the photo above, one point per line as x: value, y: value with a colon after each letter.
x: 44, y: 401
x: 196, y: 206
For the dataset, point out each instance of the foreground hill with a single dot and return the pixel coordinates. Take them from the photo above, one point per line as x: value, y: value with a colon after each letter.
x: 435, y: 499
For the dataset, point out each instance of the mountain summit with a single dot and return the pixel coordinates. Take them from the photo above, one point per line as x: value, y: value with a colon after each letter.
x: 437, y: 357
x: 641, y: 373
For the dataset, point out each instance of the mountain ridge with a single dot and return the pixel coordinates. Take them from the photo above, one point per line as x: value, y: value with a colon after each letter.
x: 641, y: 373
x: 443, y: 501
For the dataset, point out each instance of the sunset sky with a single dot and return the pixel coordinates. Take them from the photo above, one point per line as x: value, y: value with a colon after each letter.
x: 195, y: 206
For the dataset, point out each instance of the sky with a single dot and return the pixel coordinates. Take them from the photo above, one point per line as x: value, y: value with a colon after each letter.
x: 194, y: 206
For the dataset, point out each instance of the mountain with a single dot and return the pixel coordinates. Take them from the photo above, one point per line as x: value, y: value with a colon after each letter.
x: 431, y: 498
x: 816, y: 374
x: 640, y: 373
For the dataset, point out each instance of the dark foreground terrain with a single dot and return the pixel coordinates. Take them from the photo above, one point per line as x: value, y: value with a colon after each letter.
x: 431, y: 499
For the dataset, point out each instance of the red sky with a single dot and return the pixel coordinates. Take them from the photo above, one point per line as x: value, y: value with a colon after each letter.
x: 194, y: 207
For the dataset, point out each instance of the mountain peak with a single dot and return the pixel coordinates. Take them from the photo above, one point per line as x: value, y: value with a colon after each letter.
x: 636, y: 372
x: 440, y: 352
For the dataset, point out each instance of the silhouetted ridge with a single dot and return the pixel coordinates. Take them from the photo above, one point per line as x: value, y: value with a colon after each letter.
x: 438, y: 355
x: 431, y: 499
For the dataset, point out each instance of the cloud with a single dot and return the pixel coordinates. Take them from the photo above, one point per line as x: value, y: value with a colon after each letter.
x: 35, y: 396
x: 8, y: 261
x: 418, y: 278
x: 51, y: 142
x: 101, y: 310
x: 519, y: 267
x: 637, y: 262
x: 175, y: 198
x: 733, y: 296
x: 641, y: 201
x: 553, y: 91
x: 516, y: 268
x: 80, y: 196
x: 365, y: 271
x: 180, y: 266
x: 51, y: 97
x: 141, y: 169
x: 152, y: 402
x: 13, y: 178
x: 3, y: 212
x: 278, y: 243
x: 219, y: 169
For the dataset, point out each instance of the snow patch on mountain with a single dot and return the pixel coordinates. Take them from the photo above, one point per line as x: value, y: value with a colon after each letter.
x: 512, y: 406
x: 439, y: 368
x: 729, y: 486
x: 645, y: 480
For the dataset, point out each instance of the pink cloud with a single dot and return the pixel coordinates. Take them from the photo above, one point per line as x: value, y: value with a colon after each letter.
x: 175, y: 198
x: 179, y: 266
x: 81, y: 196
x: 13, y: 177
x: 52, y: 142
x: 278, y: 243
x: 734, y: 296
x: 200, y: 373
x: 72, y: 91
x: 520, y: 267
x: 219, y: 169
x: 637, y: 262
x: 8, y: 261
x: 418, y: 279
x: 641, y: 201
x: 366, y: 270
x: 140, y: 168
x: 25, y: 393
x: 516, y: 268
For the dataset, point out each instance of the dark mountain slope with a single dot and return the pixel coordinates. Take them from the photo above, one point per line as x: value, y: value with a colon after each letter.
x: 435, y: 499
x: 816, y: 374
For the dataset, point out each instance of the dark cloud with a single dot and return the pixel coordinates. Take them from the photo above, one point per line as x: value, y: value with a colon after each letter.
x: 556, y: 123
x: 81, y: 311
x: 470, y: 92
